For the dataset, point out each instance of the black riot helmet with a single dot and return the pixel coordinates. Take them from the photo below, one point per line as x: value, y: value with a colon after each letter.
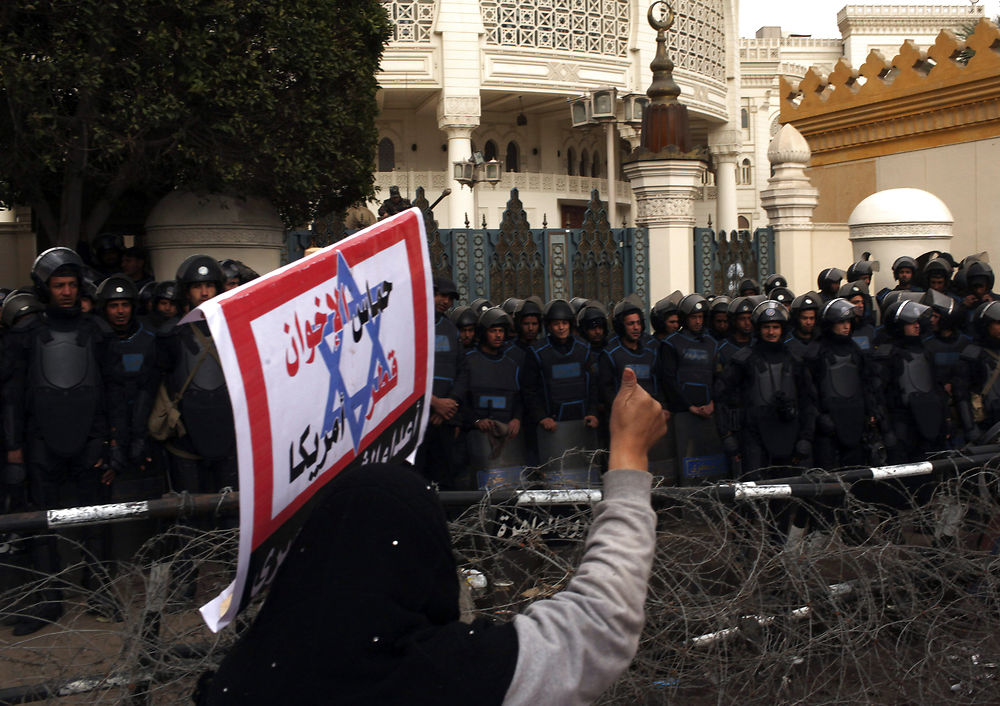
x: 829, y: 278
x: 904, y: 261
x: 578, y: 303
x: 740, y: 305
x: 897, y: 295
x: 944, y: 306
x: 480, y: 305
x: 463, y: 316
x: 862, y: 268
x: 772, y: 281
x: 146, y: 297
x: 783, y: 295
x: 55, y: 261
x: 511, y: 305
x: 17, y: 305
x: 494, y: 316
x: 116, y: 287
x: 532, y: 306
x: 985, y: 314
x: 805, y: 302
x: 904, y: 311
x: 230, y: 269
x: 852, y: 289
x: 835, y: 311
x: 446, y: 287
x: 660, y: 312
x: 980, y: 270
x: 165, y: 290
x: 720, y: 304
x: 629, y: 305
x: 590, y: 315
x: 691, y: 304
x: 748, y: 287
x: 769, y: 311
x: 199, y: 268
x: 558, y: 310
x: 938, y: 266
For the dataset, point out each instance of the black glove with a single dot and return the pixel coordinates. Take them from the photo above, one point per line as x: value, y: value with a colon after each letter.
x: 731, y: 446
x: 803, y: 449
x: 889, y: 439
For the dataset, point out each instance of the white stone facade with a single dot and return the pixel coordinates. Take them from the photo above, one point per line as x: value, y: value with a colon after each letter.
x: 459, y: 73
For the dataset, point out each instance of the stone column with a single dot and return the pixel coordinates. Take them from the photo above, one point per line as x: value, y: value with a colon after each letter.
x: 790, y: 201
x: 725, y: 148
x: 458, y: 116
x: 665, y: 192
x: 184, y: 223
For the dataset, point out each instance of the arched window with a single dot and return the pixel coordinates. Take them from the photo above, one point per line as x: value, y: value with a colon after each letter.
x: 746, y: 173
x: 743, y: 223
x: 584, y: 163
x: 386, y: 155
x: 571, y: 162
x: 513, y: 163
x: 490, y: 150
x: 595, y: 168
x: 744, y: 118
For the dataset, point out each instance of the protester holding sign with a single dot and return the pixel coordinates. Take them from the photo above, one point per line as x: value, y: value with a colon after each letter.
x: 365, y: 608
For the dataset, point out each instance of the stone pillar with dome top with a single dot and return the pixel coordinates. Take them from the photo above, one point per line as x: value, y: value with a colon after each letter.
x: 790, y: 200
x: 896, y: 222
x: 665, y: 171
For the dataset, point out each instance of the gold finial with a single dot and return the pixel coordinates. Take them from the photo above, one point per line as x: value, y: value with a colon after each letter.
x: 661, y: 16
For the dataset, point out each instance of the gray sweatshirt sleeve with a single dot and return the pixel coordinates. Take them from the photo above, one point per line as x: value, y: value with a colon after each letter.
x: 573, y: 646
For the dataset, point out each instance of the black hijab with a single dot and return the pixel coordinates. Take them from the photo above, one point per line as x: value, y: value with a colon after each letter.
x: 365, y: 610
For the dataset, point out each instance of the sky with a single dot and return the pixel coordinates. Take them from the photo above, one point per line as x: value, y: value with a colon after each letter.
x: 819, y: 17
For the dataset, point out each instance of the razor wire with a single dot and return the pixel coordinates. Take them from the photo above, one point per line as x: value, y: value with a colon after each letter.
x: 886, y: 592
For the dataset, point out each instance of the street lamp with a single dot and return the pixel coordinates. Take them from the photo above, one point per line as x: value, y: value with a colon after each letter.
x: 601, y: 106
x: 467, y: 172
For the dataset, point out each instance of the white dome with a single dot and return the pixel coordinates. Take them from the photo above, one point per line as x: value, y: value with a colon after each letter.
x: 900, y: 206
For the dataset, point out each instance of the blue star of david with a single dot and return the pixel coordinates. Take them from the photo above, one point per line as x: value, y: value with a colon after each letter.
x: 355, y: 406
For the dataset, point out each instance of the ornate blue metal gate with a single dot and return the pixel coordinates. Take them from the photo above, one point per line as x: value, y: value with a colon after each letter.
x: 595, y: 261
x: 722, y: 260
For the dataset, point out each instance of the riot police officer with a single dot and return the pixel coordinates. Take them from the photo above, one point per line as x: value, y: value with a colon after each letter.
x: 528, y: 322
x: 773, y: 281
x: 904, y: 270
x: 863, y: 329
x: 914, y: 400
x: 55, y: 415
x: 776, y: 394
x: 862, y: 270
x: 718, y: 317
x: 204, y: 459
x: 557, y: 386
x: 632, y: 348
x: 977, y: 390
x: 828, y: 283
x: 435, y: 457
x: 464, y: 319
x: 663, y: 317
x: 804, y: 312
x: 489, y: 391
x: 688, y: 362
x: 740, y: 330
x: 845, y: 384
x: 133, y: 373
x: 945, y: 342
x: 163, y: 305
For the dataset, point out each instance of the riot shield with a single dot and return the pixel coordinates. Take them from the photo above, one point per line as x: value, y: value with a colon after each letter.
x: 497, y: 462
x: 566, y: 455
x: 699, y: 450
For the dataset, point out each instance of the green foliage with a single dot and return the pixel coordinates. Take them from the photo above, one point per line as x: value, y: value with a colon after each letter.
x: 272, y: 98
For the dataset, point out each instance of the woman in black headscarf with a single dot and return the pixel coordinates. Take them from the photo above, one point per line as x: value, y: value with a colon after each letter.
x: 365, y: 608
